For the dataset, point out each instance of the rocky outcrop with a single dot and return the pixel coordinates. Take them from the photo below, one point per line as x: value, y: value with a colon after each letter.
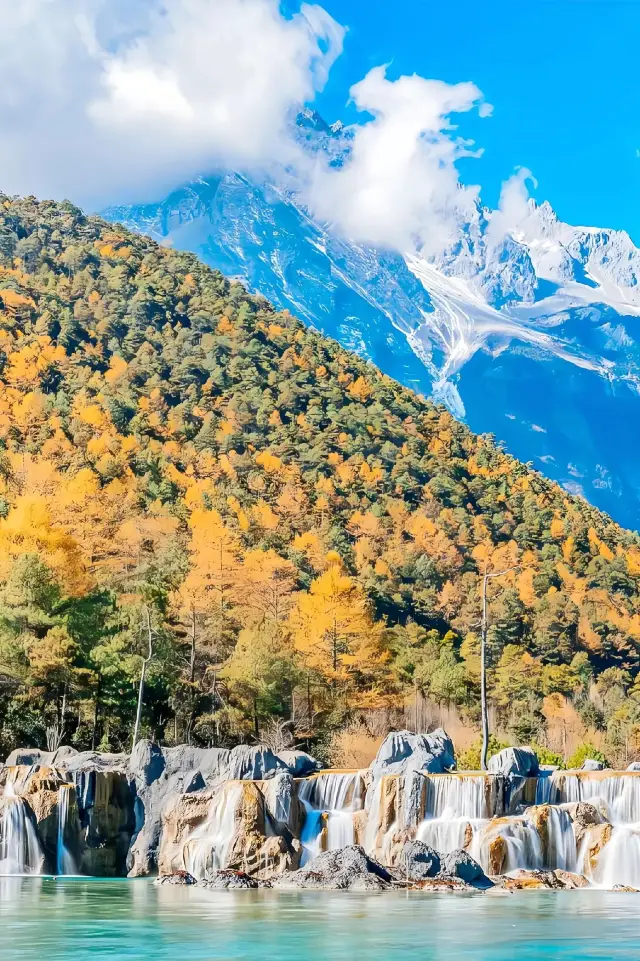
x: 228, y: 827
x: 235, y: 880
x: 460, y: 864
x: 98, y: 818
x: 402, y: 752
x: 27, y: 757
x: 584, y: 816
x: 348, y: 868
x: 158, y: 775
x: 418, y: 861
x: 179, y: 878
x: 590, y: 764
x: 299, y: 763
x: 596, y: 837
x: 515, y: 762
x: 570, y: 880
x: 497, y: 855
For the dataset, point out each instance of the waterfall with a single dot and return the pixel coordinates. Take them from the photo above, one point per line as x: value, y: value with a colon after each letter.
x: 329, y: 800
x: 619, y: 860
x: 561, y: 851
x: 519, y: 842
x: 20, y: 851
x: 544, y: 788
x: 457, y: 796
x: 457, y: 807
x: 65, y: 863
x: 619, y: 791
x: 208, y: 847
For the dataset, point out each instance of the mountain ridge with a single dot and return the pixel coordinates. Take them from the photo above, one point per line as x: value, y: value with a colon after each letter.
x: 538, y: 299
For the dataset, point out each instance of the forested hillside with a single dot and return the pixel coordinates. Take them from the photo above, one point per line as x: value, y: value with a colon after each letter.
x: 189, y: 477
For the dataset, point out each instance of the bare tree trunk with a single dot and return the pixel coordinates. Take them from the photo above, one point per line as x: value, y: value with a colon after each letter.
x: 143, y: 674
x: 96, y: 702
x: 483, y: 677
x: 192, y: 657
x: 483, y: 663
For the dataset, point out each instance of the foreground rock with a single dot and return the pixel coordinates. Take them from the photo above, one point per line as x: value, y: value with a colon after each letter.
x: 236, y: 880
x: 541, y: 880
x: 417, y: 861
x: 179, y: 878
x: 460, y: 864
x: 348, y: 868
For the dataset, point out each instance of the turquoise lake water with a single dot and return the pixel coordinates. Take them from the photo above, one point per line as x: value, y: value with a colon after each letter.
x: 48, y: 920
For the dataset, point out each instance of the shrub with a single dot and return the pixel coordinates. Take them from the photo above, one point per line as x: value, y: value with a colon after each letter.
x: 582, y: 752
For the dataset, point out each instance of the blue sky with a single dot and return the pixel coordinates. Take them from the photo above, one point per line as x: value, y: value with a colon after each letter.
x: 562, y: 76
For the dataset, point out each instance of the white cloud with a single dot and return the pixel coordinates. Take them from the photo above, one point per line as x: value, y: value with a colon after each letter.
x: 513, y: 208
x: 99, y: 98
x: 401, y: 188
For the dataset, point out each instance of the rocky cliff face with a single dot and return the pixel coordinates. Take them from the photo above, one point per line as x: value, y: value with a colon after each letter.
x: 244, y: 816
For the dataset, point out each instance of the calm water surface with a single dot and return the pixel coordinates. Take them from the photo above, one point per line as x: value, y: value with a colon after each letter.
x: 74, y: 920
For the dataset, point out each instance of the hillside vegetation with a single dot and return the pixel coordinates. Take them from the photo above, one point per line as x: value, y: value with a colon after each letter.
x: 284, y: 534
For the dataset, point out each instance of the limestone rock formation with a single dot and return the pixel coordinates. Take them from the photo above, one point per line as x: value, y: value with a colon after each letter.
x: 596, y: 837
x: 584, y: 816
x: 515, y: 761
x: 402, y: 752
x: 299, y: 763
x: 590, y: 764
x: 226, y: 827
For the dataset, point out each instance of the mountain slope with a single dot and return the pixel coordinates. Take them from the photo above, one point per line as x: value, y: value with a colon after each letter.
x: 292, y: 532
x: 526, y: 332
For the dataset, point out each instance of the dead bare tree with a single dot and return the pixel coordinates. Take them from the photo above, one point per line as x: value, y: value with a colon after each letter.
x: 483, y: 662
x: 150, y: 634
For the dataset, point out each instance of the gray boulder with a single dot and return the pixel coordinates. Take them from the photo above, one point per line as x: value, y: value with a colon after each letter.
x: 402, y: 752
x: 238, y: 880
x: 28, y: 756
x: 590, y: 764
x: 180, y: 877
x: 634, y: 766
x: 515, y: 762
x: 460, y: 864
x: 246, y: 763
x: 299, y: 763
x: 417, y: 861
x: 347, y: 868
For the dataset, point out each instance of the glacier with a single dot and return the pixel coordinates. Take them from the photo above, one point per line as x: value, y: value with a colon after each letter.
x: 528, y: 334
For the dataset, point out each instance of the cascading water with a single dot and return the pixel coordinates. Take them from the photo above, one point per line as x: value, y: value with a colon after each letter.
x: 561, y: 850
x: 208, y: 848
x: 619, y: 791
x: 329, y: 800
x: 65, y: 863
x: 457, y: 807
x: 20, y: 851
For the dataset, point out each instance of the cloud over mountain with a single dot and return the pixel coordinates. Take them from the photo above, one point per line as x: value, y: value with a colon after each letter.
x: 100, y: 98
x: 400, y: 187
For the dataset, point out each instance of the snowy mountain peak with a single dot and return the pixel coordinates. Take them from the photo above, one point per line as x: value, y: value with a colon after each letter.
x: 526, y: 329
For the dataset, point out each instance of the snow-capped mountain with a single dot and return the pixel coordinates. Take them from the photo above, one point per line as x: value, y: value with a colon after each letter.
x: 528, y: 333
